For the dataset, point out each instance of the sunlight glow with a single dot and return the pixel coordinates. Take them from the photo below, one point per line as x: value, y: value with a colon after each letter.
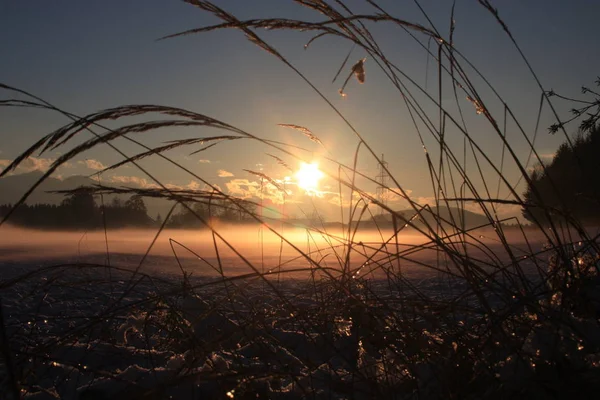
x: 308, y: 176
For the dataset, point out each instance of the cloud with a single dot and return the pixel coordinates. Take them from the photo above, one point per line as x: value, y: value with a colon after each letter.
x: 224, y: 174
x: 135, y: 180
x: 172, y: 186
x: 429, y: 200
x: 92, y: 164
x: 394, y: 195
x: 243, y: 188
x: 246, y: 189
x: 193, y: 185
x: 214, y: 188
x: 545, y: 157
x: 336, y: 200
x: 204, y: 161
x: 36, y: 164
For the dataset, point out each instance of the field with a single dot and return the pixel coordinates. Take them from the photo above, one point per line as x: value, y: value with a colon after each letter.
x: 178, y: 325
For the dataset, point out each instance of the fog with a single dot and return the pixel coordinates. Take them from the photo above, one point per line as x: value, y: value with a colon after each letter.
x: 260, y: 248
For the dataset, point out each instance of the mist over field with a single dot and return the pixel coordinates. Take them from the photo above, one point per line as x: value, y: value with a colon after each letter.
x: 261, y: 248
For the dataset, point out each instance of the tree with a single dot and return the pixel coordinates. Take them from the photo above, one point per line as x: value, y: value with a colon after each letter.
x: 587, y: 111
x: 569, y: 186
x: 136, y: 204
x: 136, y: 211
x: 187, y: 215
x: 116, y: 203
x: 79, y: 209
x: 80, y: 200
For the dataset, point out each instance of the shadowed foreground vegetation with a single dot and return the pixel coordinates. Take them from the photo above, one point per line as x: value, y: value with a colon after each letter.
x: 488, y: 321
x: 569, y: 184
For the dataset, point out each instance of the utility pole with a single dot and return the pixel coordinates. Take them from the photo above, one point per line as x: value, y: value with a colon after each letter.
x: 381, y: 179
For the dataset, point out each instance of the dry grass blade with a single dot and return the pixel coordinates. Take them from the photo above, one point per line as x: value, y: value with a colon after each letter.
x: 307, y: 132
x: 177, y: 195
x: 494, y: 12
x: 343, y: 64
x: 269, y: 24
x: 299, y: 25
x: 320, y: 35
x: 267, y: 178
x: 156, y: 150
x: 217, y: 139
x: 69, y: 131
x: 280, y: 162
x: 340, y: 20
x: 21, y: 103
x: 230, y: 21
x: 173, y: 144
x: 343, y: 22
x: 478, y: 107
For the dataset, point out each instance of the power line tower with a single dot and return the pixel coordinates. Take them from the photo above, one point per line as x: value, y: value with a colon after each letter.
x: 382, y: 177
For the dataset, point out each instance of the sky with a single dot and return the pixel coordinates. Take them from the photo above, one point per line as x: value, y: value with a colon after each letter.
x: 85, y: 56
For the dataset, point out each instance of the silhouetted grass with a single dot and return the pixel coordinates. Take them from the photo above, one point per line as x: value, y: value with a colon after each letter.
x: 485, y: 318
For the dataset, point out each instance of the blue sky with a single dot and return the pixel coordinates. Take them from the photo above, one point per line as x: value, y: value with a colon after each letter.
x: 84, y: 56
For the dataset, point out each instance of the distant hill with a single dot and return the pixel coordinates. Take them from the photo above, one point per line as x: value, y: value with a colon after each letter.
x: 471, y: 219
x: 12, y: 187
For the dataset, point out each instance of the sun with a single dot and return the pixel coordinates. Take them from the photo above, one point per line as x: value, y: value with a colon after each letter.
x: 308, y: 176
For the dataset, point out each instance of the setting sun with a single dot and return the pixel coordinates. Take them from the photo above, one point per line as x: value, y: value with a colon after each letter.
x: 308, y: 176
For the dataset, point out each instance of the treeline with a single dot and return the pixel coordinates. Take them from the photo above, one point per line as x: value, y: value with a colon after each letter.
x: 568, y: 186
x: 214, y: 210
x: 81, y: 211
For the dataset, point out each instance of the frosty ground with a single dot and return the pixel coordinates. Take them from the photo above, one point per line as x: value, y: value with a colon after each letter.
x: 181, y: 322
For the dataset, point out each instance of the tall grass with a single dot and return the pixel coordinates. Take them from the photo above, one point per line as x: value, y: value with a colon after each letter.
x: 490, y: 319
